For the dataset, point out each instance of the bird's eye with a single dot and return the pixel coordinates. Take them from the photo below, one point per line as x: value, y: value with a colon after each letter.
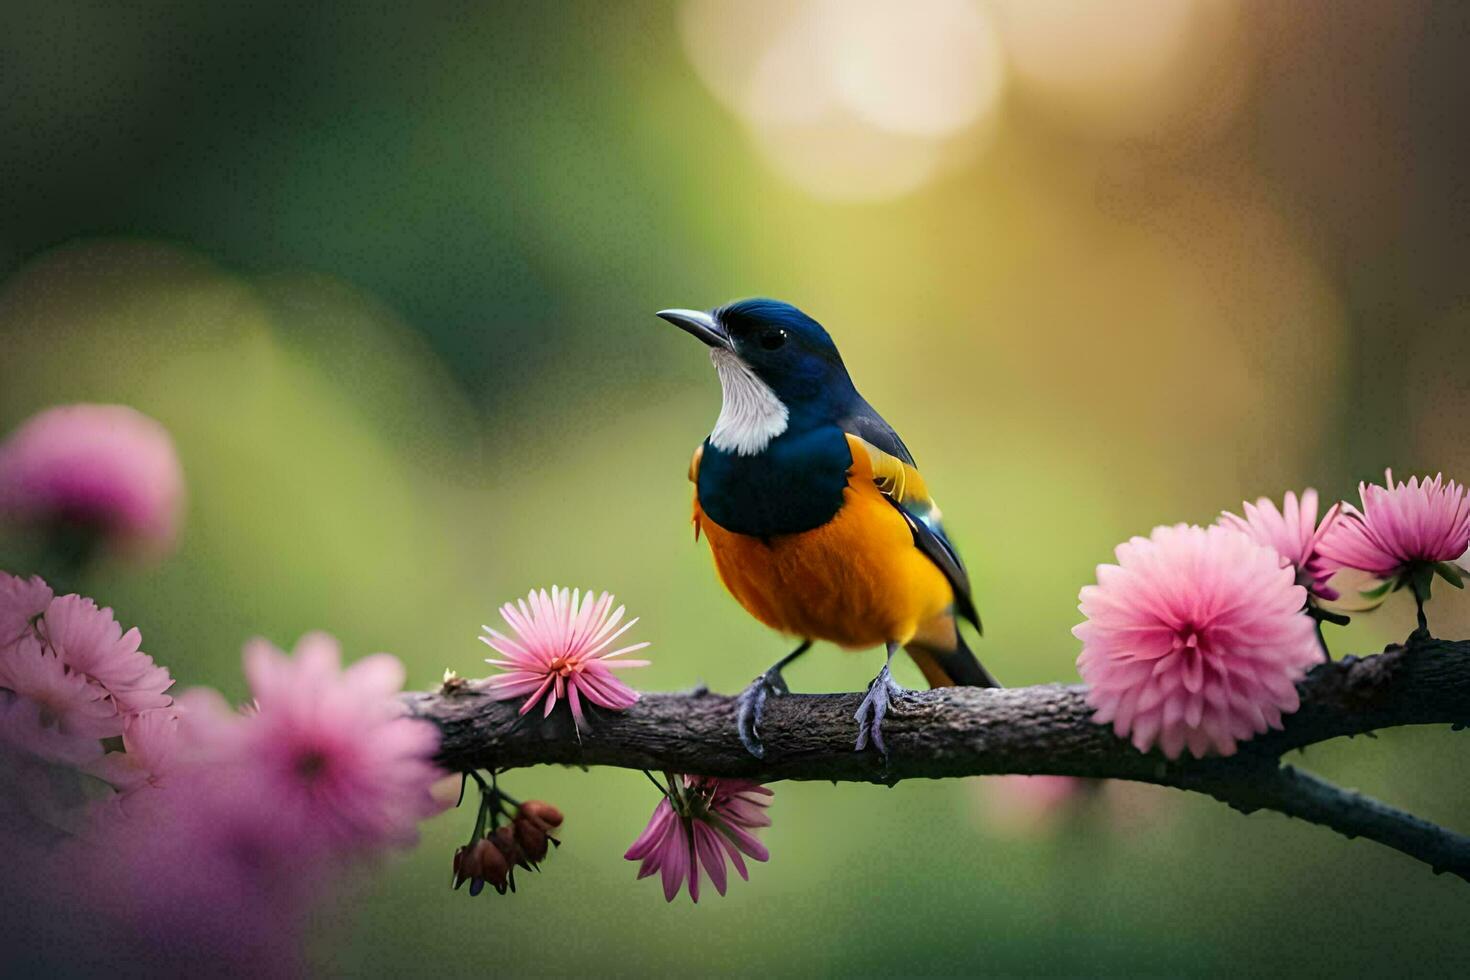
x: 773, y: 339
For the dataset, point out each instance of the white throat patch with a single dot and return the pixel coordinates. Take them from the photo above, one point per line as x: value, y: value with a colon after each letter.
x: 751, y: 414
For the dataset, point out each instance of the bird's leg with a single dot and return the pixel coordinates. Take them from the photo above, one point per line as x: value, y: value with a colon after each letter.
x: 870, y: 713
x: 752, y: 701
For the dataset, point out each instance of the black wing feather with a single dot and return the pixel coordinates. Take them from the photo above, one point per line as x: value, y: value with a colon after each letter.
x: 939, y: 550
x: 865, y: 422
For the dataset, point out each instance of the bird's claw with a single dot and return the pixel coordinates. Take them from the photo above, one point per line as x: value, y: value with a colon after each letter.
x: 751, y: 704
x: 870, y: 713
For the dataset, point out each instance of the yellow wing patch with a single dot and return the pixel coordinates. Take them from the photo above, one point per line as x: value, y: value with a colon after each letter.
x: 897, y: 479
x: 902, y: 484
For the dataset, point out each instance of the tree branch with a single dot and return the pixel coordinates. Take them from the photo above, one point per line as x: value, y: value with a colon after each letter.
x: 1289, y: 790
x: 1045, y: 729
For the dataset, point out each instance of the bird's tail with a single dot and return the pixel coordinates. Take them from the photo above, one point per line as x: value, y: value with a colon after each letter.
x: 946, y: 661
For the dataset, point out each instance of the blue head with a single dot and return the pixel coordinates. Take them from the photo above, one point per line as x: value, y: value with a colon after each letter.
x: 777, y: 366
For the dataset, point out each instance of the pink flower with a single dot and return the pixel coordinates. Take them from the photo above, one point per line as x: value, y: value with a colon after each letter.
x: 228, y: 826
x: 1195, y: 638
x: 41, y: 786
x: 1024, y: 805
x: 21, y: 601
x: 561, y: 651
x: 53, y: 715
x: 1400, y: 525
x: 108, y: 467
x: 90, y: 642
x: 700, y: 822
x: 332, y: 750
x: 1295, y: 534
x: 1020, y: 807
x: 150, y: 753
x: 84, y: 679
x: 24, y: 732
x: 74, y: 660
x: 67, y: 699
x: 195, y: 872
x: 245, y: 817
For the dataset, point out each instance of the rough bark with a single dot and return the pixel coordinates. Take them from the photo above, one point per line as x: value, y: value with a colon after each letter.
x: 1045, y: 729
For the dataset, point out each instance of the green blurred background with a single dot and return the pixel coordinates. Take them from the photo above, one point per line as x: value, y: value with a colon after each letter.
x: 387, y: 272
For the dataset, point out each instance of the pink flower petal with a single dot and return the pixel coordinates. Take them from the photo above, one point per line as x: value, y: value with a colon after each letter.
x: 710, y: 855
x: 1231, y: 638
x: 676, y: 861
x: 708, y: 833
x: 561, y: 635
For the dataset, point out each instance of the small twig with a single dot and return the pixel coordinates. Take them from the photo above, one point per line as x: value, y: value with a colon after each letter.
x: 1300, y: 794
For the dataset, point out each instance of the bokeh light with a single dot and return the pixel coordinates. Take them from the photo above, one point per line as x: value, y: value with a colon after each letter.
x: 851, y: 100
x: 1123, y: 68
x: 930, y: 69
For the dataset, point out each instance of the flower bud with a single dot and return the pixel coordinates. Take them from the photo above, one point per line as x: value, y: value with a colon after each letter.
x: 466, y: 865
x: 531, y: 838
x: 94, y: 475
x: 505, y: 840
x: 544, y: 814
x: 493, y: 864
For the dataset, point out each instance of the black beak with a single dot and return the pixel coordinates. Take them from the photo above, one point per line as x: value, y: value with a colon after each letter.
x: 703, y: 326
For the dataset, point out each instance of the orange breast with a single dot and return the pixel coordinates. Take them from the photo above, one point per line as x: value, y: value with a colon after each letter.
x: 857, y: 580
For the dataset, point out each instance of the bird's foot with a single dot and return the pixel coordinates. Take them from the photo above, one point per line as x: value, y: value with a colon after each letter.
x: 881, y: 693
x: 752, y: 703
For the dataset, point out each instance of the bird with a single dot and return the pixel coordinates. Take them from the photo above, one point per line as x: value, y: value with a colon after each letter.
x: 818, y: 519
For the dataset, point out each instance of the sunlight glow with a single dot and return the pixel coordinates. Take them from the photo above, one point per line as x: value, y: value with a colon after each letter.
x: 852, y: 99
x: 1119, y: 68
